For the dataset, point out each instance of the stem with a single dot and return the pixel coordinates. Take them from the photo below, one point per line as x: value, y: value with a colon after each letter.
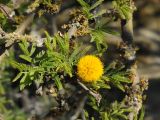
x: 96, y: 95
x: 127, y: 30
x: 130, y: 60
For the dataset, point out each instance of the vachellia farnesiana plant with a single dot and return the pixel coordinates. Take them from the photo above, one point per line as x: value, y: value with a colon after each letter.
x: 78, y: 74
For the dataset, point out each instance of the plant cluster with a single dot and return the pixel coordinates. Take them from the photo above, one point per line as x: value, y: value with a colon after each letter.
x: 76, y: 75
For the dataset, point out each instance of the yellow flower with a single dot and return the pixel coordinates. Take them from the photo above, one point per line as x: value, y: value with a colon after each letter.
x: 89, y: 68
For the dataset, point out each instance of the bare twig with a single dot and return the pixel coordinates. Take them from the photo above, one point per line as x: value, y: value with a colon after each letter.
x: 83, y: 115
x: 22, y: 27
x: 1, y: 117
x: 96, y: 95
x: 7, y: 39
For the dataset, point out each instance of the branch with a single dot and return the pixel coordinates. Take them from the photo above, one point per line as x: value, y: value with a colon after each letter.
x: 130, y: 56
x: 8, y: 39
x: 127, y: 29
x: 22, y: 27
x: 97, y: 96
x: 1, y: 117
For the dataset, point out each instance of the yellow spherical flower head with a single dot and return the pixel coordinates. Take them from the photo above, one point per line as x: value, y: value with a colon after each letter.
x: 89, y: 68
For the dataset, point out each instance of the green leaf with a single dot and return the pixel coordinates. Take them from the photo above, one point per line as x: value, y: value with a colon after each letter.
x: 96, y: 4
x: 27, y: 58
x: 97, y: 35
x: 120, y: 86
x: 24, y: 47
x: 16, y: 65
x: 17, y: 77
x: 83, y: 4
x: 104, y: 116
x: 67, y: 69
x: 33, y: 49
x: 77, y: 53
x: 121, y: 78
x: 63, y: 44
x: 58, y: 82
x: 22, y: 82
x: 123, y: 8
x: 142, y: 114
x: 48, y: 44
x: 105, y: 78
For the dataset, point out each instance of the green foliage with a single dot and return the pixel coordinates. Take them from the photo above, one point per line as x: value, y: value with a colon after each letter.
x: 3, y: 19
x: 116, y: 75
x: 98, y: 32
x: 87, y: 9
x: 142, y: 113
x: 113, y: 75
x: 103, y: 83
x: 124, y: 8
x: 47, y: 1
x: 57, y: 58
x: 17, y: 114
x: 108, y: 111
x: 5, y: 22
x: 8, y: 110
x: 117, y: 111
x: 56, y: 62
x: 97, y: 36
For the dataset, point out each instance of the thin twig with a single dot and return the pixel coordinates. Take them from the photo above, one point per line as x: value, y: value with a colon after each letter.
x: 22, y: 27
x: 83, y: 115
x: 6, y: 10
x: 97, y: 96
x: 8, y: 39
